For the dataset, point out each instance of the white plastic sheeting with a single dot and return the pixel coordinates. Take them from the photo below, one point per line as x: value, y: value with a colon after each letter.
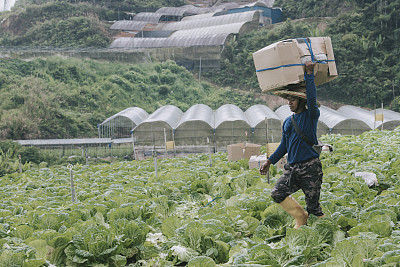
x: 228, y: 124
x: 391, y: 119
x: 183, y: 41
x: 129, y: 25
x: 120, y: 125
x: 195, y: 126
x: 232, y: 28
x: 158, y: 126
x: 256, y: 116
x: 213, y: 21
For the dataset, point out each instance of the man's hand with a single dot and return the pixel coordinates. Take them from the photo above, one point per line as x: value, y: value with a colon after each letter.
x: 265, y: 167
x: 310, y: 67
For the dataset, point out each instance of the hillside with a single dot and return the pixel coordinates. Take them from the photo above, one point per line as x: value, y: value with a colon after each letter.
x: 67, y: 98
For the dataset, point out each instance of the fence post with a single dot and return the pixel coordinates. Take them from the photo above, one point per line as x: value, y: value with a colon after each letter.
x: 73, y: 195
x: 155, y: 161
x: 209, y: 152
x: 19, y: 163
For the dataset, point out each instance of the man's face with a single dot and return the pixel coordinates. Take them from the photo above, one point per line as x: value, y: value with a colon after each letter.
x: 293, y: 103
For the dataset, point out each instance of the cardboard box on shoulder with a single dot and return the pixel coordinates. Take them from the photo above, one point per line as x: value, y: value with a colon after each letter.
x: 280, y: 64
x: 242, y: 150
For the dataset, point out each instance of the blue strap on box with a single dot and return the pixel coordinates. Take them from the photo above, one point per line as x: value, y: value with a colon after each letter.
x: 308, y: 43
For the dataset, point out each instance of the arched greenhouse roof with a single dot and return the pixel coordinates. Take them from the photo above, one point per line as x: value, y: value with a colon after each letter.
x: 259, y: 3
x: 186, y: 10
x: 283, y: 112
x: 198, y: 113
x: 129, y: 25
x: 169, y: 114
x: 230, y: 113
x: 391, y: 119
x: 213, y: 21
x: 331, y: 117
x: 184, y: 41
x: 257, y: 114
x: 148, y: 17
x: 232, y: 28
x: 200, y: 16
x: 135, y: 114
x: 224, y: 7
x: 358, y: 114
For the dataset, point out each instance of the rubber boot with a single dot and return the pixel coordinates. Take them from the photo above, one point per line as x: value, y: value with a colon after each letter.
x: 291, y: 206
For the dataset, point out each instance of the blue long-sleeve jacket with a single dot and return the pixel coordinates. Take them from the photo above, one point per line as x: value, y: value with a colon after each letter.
x: 292, y: 144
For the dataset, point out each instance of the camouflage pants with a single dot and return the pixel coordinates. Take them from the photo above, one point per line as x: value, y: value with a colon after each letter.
x: 306, y: 175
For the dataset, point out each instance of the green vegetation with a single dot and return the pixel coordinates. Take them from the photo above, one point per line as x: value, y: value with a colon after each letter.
x: 192, y: 214
x: 66, y: 98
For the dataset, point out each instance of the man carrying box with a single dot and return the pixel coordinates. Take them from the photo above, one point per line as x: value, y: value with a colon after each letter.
x: 304, y: 169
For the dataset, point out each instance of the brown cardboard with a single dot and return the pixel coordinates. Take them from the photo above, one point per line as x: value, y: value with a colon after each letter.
x: 289, y: 52
x: 242, y: 150
x: 255, y: 162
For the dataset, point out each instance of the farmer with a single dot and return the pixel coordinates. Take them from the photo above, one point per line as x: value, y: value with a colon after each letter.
x: 304, y: 170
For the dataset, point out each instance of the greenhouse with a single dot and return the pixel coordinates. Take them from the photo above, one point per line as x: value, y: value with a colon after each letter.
x: 231, y: 126
x: 182, y: 11
x: 200, y: 16
x: 153, y: 17
x: 195, y: 126
x: 183, y: 41
x: 158, y: 127
x: 213, y: 21
x: 256, y: 116
x: 234, y: 28
x: 391, y: 119
x: 121, y: 124
x: 359, y: 116
x: 129, y: 25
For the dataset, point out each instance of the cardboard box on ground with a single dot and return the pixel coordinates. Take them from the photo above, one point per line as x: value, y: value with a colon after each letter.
x: 242, y: 151
x: 255, y: 162
x: 279, y: 65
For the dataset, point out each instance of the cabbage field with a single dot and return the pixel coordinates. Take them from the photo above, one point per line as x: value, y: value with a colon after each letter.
x: 191, y: 214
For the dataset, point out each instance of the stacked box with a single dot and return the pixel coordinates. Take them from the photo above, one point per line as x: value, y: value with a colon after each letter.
x: 280, y: 65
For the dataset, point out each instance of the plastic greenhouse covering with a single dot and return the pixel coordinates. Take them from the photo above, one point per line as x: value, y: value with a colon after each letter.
x: 224, y: 126
x: 230, y: 125
x: 221, y: 29
x: 195, y: 126
x: 200, y: 16
x: 256, y: 115
x: 213, y: 21
x: 158, y: 127
x: 148, y: 17
x: 186, y: 10
x: 391, y: 119
x: 225, y: 7
x: 183, y: 41
x: 129, y: 25
x: 122, y: 123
